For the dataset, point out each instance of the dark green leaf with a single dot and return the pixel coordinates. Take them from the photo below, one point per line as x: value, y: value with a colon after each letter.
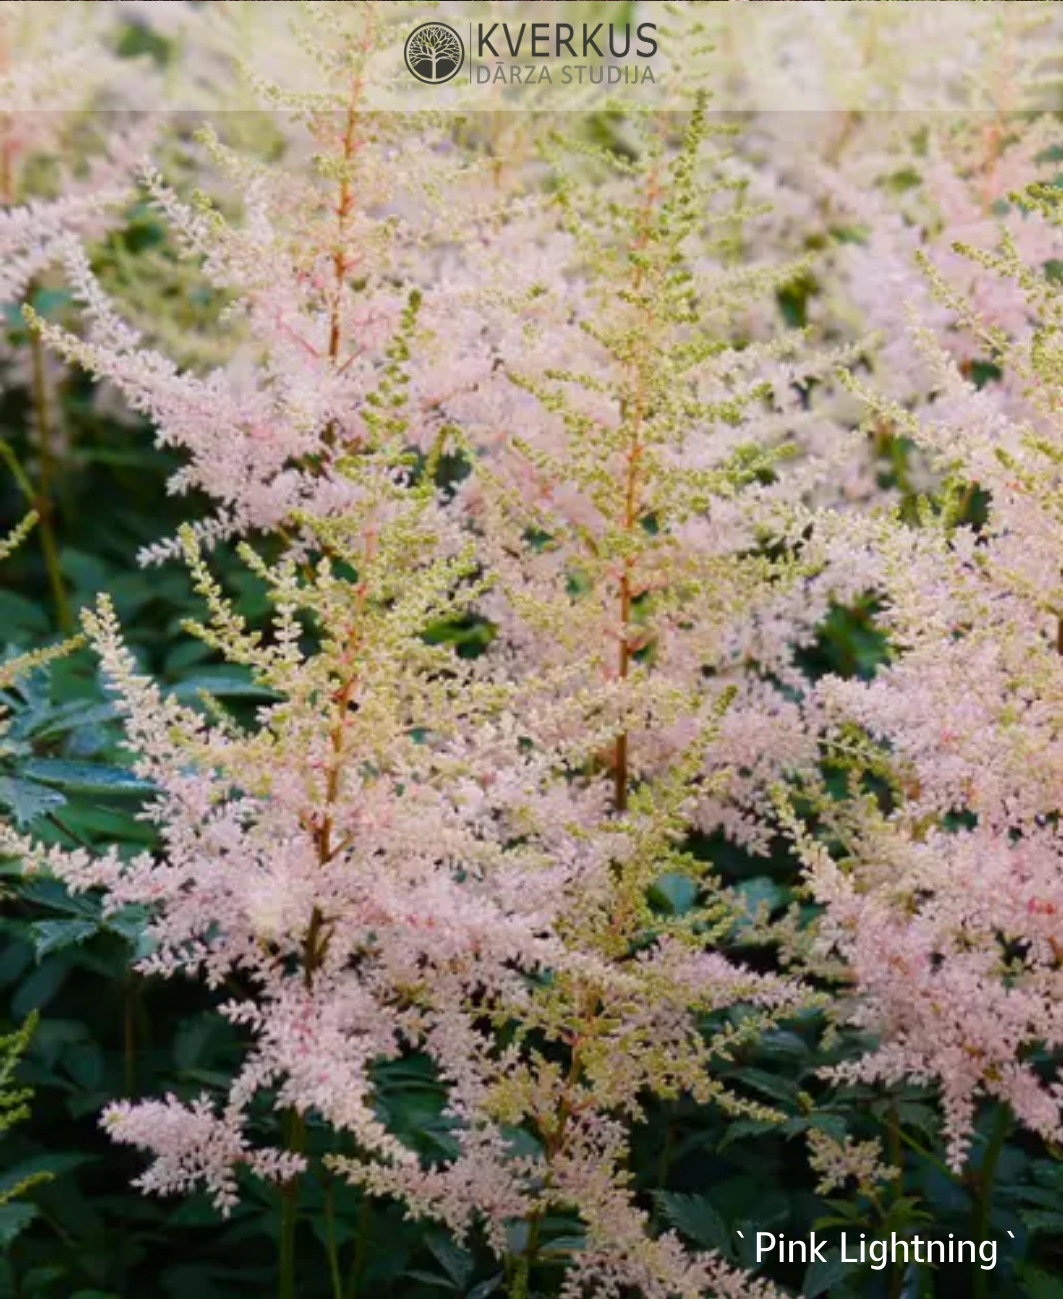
x: 698, y: 1219
x: 54, y: 935
x: 28, y: 799
x: 823, y: 1276
x: 14, y: 1219
x: 88, y: 779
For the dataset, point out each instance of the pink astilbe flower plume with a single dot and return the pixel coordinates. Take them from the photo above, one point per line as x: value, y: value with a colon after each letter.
x: 60, y: 175
x: 312, y: 267
x: 943, y: 900
x: 194, y: 1149
x: 620, y: 523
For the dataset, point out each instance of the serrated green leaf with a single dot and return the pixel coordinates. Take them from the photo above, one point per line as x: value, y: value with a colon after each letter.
x: 14, y: 1219
x: 822, y: 1276
x: 64, y: 718
x: 129, y: 923
x: 54, y: 935
x: 846, y: 1209
x: 771, y: 1085
x: 51, y: 893
x: 431, y: 1279
x: 28, y: 799
x: 486, y: 1288
x: 564, y: 1247
x: 739, y: 1129
x: 88, y: 779
x: 784, y: 1047
x: 456, y: 1262
x: 698, y: 1219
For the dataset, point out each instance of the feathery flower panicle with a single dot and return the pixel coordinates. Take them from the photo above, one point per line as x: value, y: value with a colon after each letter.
x: 946, y: 903
x: 925, y: 120
x: 635, y: 608
x: 626, y: 523
x: 60, y: 175
x: 317, y: 267
x: 194, y: 1149
x: 321, y: 858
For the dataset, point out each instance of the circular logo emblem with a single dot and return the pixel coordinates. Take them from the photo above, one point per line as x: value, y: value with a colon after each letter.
x: 434, y: 53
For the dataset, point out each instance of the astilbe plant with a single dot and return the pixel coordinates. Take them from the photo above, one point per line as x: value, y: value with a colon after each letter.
x: 562, y: 424
x: 414, y: 854
x: 938, y: 867
x: 325, y: 863
x: 320, y: 431
x: 57, y: 175
x: 626, y: 524
x: 60, y: 175
x: 942, y: 890
x: 311, y: 267
x: 906, y: 151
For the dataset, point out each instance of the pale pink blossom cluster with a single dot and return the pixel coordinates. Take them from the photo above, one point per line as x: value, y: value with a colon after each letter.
x: 941, y: 896
x: 61, y: 173
x: 945, y: 906
x: 194, y: 1148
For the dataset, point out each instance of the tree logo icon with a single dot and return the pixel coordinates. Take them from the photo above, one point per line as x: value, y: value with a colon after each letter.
x: 435, y: 53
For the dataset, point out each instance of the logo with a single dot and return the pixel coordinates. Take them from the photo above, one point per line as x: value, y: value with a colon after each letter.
x: 435, y: 53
